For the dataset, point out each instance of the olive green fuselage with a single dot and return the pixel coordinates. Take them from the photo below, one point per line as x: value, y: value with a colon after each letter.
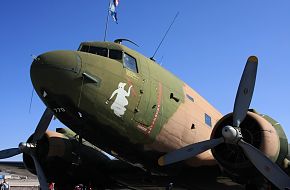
x: 117, y: 108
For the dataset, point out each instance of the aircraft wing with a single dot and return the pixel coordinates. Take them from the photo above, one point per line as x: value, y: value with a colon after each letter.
x: 67, y: 162
x: 120, y: 175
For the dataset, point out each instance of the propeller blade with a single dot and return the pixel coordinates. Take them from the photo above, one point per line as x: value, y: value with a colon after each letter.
x: 268, y: 168
x: 188, y: 151
x: 40, y: 174
x: 245, y: 91
x: 42, y: 125
x: 9, y: 153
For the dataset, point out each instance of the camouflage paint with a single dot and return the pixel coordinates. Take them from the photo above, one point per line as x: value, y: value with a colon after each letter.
x: 282, y: 138
x: 177, y: 132
x: 159, y: 114
x: 162, y: 116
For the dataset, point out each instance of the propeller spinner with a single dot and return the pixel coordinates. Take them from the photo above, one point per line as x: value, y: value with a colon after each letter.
x: 233, y: 135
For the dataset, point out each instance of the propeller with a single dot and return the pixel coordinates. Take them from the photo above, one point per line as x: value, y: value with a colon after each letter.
x: 9, y: 153
x: 187, y: 151
x: 233, y: 135
x: 40, y: 174
x: 42, y: 125
x: 268, y: 168
x: 30, y: 148
x: 245, y: 91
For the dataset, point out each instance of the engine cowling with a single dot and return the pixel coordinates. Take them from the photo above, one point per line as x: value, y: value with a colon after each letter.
x: 53, y: 146
x: 262, y: 132
x: 64, y: 160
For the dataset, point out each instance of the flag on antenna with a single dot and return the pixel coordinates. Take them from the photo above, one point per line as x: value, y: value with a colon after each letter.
x: 112, y: 10
x: 116, y: 2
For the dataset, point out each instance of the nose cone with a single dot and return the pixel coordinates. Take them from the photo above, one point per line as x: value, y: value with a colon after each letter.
x: 68, y: 60
x: 55, y: 71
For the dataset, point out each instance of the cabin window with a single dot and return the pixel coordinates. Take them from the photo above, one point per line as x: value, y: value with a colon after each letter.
x: 207, y: 119
x: 115, y: 54
x: 130, y: 63
x: 189, y: 97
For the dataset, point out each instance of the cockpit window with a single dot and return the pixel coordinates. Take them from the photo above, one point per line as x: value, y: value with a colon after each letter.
x: 84, y: 48
x: 130, y: 63
x: 98, y: 51
x: 94, y: 50
x: 115, y: 54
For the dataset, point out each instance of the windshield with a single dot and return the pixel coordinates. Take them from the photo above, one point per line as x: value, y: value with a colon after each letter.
x: 111, y: 53
x: 128, y: 61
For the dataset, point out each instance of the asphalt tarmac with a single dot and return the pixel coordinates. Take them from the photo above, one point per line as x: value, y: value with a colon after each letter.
x: 22, y: 179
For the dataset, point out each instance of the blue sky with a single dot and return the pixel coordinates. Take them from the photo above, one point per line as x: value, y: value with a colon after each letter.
x: 207, y: 47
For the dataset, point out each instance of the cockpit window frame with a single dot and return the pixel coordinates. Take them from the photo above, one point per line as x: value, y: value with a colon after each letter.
x: 127, y: 66
x: 132, y: 66
x: 116, y: 50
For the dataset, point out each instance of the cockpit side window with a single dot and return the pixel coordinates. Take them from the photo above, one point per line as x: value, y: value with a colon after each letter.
x: 130, y: 63
x: 115, y: 54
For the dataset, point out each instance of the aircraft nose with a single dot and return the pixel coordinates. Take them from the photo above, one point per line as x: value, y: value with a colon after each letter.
x: 65, y: 60
x: 55, y: 71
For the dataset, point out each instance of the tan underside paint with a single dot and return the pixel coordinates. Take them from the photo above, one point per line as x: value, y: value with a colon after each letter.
x: 270, y: 145
x: 177, y: 132
x: 57, y: 144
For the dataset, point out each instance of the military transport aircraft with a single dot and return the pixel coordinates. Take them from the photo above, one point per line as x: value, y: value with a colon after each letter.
x: 114, y: 99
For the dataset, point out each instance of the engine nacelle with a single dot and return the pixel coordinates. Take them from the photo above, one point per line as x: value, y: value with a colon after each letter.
x: 53, y: 146
x: 65, y: 160
x: 259, y: 130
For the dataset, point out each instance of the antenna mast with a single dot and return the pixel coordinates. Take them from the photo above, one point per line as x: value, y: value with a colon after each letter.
x: 107, y: 20
x: 152, y: 58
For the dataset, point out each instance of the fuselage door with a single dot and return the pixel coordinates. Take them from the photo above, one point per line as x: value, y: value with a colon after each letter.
x: 146, y: 106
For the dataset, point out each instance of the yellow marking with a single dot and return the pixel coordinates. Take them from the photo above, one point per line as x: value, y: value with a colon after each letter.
x: 142, y: 128
x: 161, y: 161
x: 131, y: 74
x: 253, y: 59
